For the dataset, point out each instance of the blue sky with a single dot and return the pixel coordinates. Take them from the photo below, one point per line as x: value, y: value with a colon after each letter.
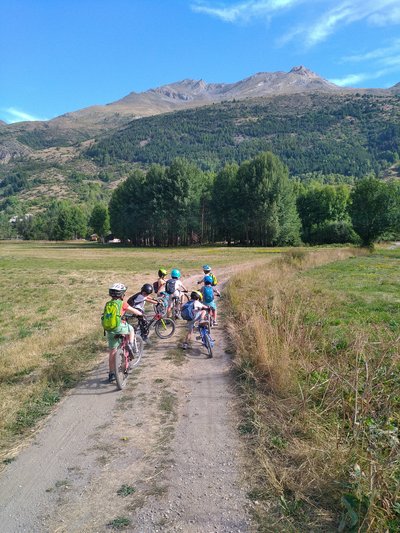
x: 62, y: 55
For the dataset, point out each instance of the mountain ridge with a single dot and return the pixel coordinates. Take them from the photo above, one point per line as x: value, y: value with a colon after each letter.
x: 19, y: 139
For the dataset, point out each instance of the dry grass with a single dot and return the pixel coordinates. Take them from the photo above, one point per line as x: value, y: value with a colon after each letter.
x: 321, y: 400
x: 52, y: 298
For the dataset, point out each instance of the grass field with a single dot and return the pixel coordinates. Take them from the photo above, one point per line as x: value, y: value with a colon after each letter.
x: 319, y: 365
x: 52, y: 298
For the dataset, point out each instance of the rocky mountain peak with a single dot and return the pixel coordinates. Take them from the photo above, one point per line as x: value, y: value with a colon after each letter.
x: 303, y: 71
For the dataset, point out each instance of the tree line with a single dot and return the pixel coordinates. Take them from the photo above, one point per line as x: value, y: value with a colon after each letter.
x: 254, y: 203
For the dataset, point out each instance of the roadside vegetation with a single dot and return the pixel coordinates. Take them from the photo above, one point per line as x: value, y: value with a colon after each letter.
x: 52, y: 298
x: 255, y: 203
x: 318, y: 362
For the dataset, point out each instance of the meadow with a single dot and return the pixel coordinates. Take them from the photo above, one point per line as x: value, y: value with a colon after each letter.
x: 318, y: 361
x: 52, y: 298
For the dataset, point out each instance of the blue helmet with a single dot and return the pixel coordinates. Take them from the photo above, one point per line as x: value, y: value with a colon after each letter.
x: 206, y: 268
x: 175, y: 273
x: 208, y: 279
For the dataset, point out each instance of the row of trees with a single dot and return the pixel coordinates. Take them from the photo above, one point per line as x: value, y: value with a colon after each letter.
x: 61, y: 221
x: 254, y: 203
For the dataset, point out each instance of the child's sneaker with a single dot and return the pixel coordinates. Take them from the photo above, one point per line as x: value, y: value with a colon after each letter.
x: 185, y: 346
x: 111, y: 377
x: 215, y: 323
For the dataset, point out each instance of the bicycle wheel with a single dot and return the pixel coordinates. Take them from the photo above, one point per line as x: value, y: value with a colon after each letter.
x: 138, y: 347
x: 164, y: 328
x: 208, y: 344
x: 121, y: 372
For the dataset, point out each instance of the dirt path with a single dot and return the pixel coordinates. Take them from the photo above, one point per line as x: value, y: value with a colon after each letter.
x: 163, y: 455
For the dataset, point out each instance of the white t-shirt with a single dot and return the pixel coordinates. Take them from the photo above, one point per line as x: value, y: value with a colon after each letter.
x: 178, y: 288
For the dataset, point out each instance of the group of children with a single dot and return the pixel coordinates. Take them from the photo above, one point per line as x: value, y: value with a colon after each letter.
x: 166, y: 290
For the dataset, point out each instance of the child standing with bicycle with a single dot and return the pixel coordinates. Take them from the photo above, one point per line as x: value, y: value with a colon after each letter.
x: 113, y: 324
x: 193, y: 312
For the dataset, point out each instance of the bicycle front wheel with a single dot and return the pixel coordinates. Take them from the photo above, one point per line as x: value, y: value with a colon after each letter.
x: 121, y: 368
x: 164, y: 328
x: 138, y: 347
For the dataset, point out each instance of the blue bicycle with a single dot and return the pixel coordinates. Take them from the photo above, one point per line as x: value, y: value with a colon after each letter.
x: 205, y: 334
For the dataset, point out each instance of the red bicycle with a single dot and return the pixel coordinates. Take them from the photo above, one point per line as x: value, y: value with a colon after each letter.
x: 124, y: 361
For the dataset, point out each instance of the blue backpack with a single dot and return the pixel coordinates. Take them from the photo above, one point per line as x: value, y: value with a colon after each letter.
x: 187, y: 311
x: 208, y: 294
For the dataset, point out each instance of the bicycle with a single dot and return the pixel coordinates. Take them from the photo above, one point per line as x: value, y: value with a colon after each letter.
x: 124, y: 361
x: 177, y: 304
x: 163, y: 326
x: 204, y: 328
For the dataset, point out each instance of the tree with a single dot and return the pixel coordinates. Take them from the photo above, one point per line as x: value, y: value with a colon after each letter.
x: 323, y: 211
x: 374, y: 209
x: 268, y: 209
x: 99, y: 220
x: 64, y: 221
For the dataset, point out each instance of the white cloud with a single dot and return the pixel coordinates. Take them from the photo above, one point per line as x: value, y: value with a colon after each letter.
x: 382, y: 12
x: 350, y: 80
x: 245, y: 10
x: 384, y: 19
x: 382, y: 54
x: 11, y: 114
x: 384, y: 61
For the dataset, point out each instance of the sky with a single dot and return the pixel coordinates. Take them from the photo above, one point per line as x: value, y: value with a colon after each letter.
x: 58, y: 56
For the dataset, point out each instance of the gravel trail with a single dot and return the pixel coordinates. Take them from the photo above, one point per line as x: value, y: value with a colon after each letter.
x: 163, y: 455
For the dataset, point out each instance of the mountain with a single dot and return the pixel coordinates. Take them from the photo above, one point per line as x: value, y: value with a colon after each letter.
x: 310, y: 123
x: 332, y: 132
x: 17, y: 140
x: 83, y: 124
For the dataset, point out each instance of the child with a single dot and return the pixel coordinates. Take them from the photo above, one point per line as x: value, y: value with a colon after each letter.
x: 137, y: 302
x: 207, y: 272
x: 193, y: 311
x: 159, y: 285
x: 174, y: 287
x: 208, y: 292
x: 117, y: 292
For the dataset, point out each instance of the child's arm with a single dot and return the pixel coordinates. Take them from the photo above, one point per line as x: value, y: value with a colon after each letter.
x: 151, y: 300
x: 216, y: 291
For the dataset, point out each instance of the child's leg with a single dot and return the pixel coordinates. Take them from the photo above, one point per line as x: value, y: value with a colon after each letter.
x: 111, y: 359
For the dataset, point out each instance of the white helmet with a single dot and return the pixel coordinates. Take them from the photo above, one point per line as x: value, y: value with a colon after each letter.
x: 117, y: 290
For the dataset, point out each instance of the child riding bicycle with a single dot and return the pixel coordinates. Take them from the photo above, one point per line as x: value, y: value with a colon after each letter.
x: 208, y: 292
x: 174, y: 288
x: 159, y: 285
x: 137, y: 302
x: 113, y: 324
x: 207, y: 272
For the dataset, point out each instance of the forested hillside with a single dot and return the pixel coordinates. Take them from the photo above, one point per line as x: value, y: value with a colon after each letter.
x: 345, y: 134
